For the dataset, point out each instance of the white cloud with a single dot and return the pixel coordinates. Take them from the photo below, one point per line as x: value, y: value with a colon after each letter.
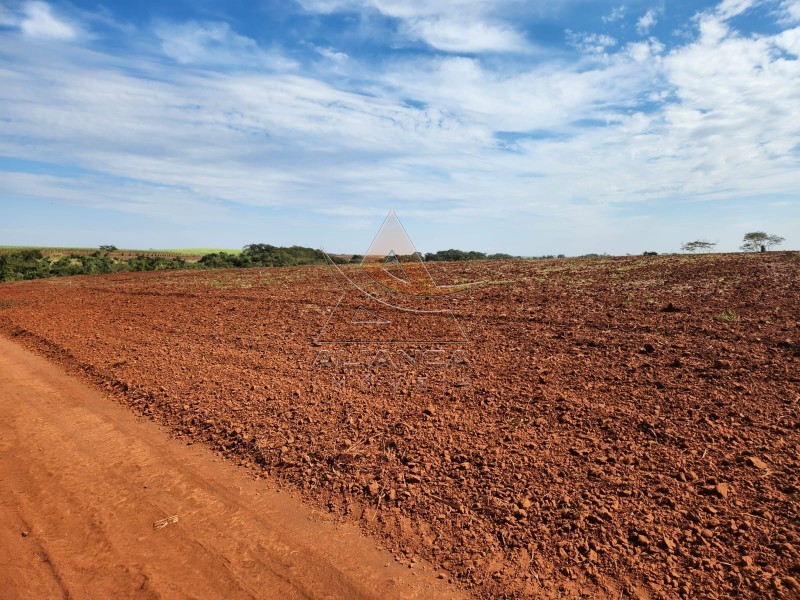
x: 728, y: 9
x: 468, y: 36
x: 712, y: 30
x: 215, y: 43
x: 646, y: 23
x: 790, y: 11
x: 714, y: 24
x: 331, y: 54
x: 457, y: 26
x: 590, y: 43
x: 39, y: 21
x: 644, y: 51
x: 330, y: 6
x: 402, y: 9
x: 174, y: 205
x: 616, y: 14
x: 789, y: 41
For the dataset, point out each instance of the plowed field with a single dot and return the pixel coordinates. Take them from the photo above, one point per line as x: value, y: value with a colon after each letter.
x: 625, y: 426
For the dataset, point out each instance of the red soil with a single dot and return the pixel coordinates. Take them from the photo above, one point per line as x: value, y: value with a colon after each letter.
x: 623, y: 426
x: 87, y: 486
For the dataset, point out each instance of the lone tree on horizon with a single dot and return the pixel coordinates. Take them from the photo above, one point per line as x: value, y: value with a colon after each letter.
x: 698, y: 245
x: 756, y: 241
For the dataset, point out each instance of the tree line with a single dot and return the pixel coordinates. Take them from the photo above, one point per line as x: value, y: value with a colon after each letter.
x: 266, y: 255
x: 461, y: 255
x: 33, y: 264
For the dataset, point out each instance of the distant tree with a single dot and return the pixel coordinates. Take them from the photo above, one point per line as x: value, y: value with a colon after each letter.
x: 218, y: 260
x: 458, y: 255
x: 146, y: 263
x: 23, y: 264
x: 698, y: 245
x: 756, y: 241
x: 774, y: 240
x: 650, y: 253
x: 266, y: 255
x: 454, y: 255
x: 108, y: 248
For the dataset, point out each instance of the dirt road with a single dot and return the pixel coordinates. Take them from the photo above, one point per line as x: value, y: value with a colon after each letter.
x: 82, y: 482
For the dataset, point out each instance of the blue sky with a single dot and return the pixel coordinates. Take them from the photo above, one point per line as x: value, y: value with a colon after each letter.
x: 555, y: 126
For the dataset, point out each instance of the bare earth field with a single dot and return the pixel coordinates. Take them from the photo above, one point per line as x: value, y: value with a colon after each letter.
x: 614, y: 427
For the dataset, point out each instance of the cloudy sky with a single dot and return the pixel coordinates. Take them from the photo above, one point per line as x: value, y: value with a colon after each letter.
x: 520, y: 126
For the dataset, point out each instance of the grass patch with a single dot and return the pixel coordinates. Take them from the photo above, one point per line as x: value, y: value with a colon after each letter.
x: 627, y: 268
x: 728, y: 316
x: 731, y: 274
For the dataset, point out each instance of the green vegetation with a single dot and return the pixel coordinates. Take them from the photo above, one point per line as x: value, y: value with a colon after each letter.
x: 728, y: 316
x: 25, y: 264
x: 265, y: 255
x: 698, y: 245
x: 112, y: 248
x: 19, y: 263
x: 461, y: 255
x: 33, y: 264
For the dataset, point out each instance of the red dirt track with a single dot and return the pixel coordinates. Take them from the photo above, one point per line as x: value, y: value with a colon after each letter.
x: 624, y: 427
x: 84, y: 480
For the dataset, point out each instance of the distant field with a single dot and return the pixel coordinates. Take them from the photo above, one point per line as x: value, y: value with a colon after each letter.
x: 182, y: 251
x: 7, y: 249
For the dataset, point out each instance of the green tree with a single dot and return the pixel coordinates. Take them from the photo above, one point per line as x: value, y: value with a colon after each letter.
x: 221, y: 260
x: 266, y: 255
x: 756, y: 241
x: 23, y: 264
x: 698, y: 245
x: 454, y: 255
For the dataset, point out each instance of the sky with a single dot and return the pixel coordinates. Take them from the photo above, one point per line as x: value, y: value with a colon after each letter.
x: 517, y: 126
